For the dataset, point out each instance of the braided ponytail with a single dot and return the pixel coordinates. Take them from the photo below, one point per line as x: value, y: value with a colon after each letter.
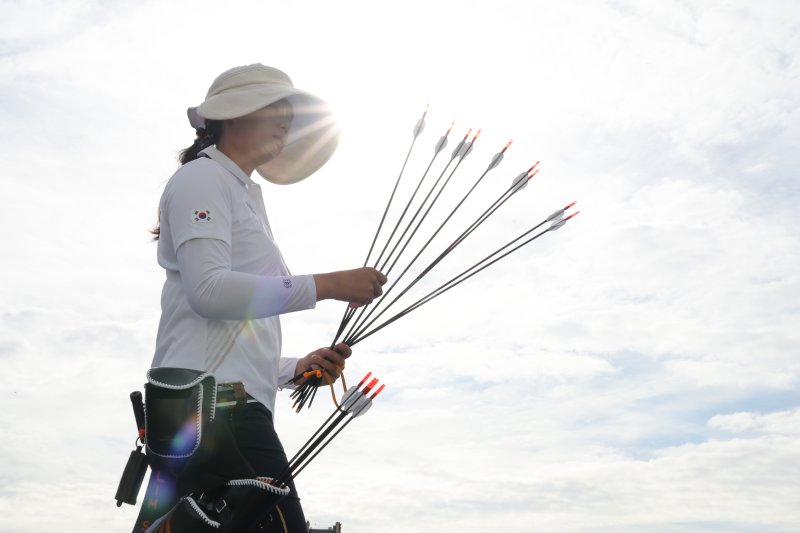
x: 205, y: 138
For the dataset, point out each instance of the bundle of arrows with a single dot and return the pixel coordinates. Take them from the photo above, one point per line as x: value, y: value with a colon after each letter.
x: 359, y: 324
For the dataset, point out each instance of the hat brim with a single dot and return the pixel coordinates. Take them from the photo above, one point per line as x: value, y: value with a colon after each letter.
x: 313, y: 136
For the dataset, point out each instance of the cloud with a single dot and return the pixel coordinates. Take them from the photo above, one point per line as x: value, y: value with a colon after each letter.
x: 633, y: 371
x: 716, y: 373
x: 779, y: 423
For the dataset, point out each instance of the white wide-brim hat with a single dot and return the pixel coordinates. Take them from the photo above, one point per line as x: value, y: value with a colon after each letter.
x: 313, y: 135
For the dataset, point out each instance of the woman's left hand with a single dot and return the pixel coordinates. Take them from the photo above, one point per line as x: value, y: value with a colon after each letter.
x: 331, y: 361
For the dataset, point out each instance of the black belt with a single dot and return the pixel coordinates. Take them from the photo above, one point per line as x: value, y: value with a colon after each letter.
x: 232, y: 394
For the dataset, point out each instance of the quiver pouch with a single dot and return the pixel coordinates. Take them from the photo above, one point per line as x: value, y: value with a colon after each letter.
x: 179, y: 406
x: 240, y: 505
x: 183, y: 436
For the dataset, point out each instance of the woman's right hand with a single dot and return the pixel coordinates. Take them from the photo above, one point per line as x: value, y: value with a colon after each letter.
x: 358, y: 286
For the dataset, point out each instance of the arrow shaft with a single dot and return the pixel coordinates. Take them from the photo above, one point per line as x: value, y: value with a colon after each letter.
x: 363, y: 325
x: 468, y: 273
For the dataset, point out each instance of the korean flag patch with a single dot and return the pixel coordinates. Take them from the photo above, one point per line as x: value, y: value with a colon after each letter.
x: 202, y: 217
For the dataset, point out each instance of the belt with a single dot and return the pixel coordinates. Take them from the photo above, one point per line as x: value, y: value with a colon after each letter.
x: 233, y: 394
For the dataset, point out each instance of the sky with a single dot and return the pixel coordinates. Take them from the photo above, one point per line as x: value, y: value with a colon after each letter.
x: 635, y: 371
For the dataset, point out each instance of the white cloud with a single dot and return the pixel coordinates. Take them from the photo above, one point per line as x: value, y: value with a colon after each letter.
x: 783, y: 423
x: 610, y: 377
x: 716, y: 373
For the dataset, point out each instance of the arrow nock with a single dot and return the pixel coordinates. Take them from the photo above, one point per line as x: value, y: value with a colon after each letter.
x: 379, y: 390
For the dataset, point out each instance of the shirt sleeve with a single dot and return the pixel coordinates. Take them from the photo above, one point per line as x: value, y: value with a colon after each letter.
x: 197, y: 205
x: 286, y: 370
x: 215, y: 291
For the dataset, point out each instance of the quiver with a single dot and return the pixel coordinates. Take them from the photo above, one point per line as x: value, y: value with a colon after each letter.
x: 183, y: 435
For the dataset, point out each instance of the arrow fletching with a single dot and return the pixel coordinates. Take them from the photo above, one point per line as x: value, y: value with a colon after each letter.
x: 520, y: 182
x: 558, y: 224
x: 350, y: 398
x: 420, y: 123
x: 468, y: 148
x: 498, y: 157
x: 560, y: 213
x: 361, y: 407
x: 460, y: 146
x: 366, y: 403
x: 443, y: 140
x: 495, y: 160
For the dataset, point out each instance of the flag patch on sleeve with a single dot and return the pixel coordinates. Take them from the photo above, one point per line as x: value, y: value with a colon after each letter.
x: 202, y: 217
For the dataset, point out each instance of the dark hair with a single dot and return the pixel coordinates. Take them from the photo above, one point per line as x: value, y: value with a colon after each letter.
x: 205, y: 138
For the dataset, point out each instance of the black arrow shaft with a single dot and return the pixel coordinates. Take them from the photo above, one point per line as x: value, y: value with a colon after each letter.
x: 363, y: 325
x: 468, y: 273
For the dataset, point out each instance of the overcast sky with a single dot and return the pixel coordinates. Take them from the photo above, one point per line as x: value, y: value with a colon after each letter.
x: 636, y: 371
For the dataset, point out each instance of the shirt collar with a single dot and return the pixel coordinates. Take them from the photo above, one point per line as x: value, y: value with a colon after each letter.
x: 227, y: 163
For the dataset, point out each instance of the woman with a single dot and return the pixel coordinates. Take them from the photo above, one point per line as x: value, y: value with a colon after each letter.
x: 226, y: 279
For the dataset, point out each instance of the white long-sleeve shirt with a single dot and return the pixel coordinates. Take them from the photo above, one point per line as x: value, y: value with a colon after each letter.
x: 226, y: 279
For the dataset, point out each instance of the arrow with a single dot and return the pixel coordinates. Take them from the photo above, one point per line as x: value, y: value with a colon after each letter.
x: 359, y: 409
x: 484, y: 263
x: 360, y: 322
x: 355, y: 403
x: 460, y: 152
x: 417, y: 130
x: 515, y: 186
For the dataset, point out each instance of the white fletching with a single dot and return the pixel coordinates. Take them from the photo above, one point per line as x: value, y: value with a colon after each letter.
x: 557, y: 224
x: 520, y: 182
x: 361, y: 407
x: 495, y: 160
x: 556, y: 216
x: 457, y: 150
x: 419, y: 127
x: 466, y: 150
x: 350, y: 398
x: 441, y: 144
